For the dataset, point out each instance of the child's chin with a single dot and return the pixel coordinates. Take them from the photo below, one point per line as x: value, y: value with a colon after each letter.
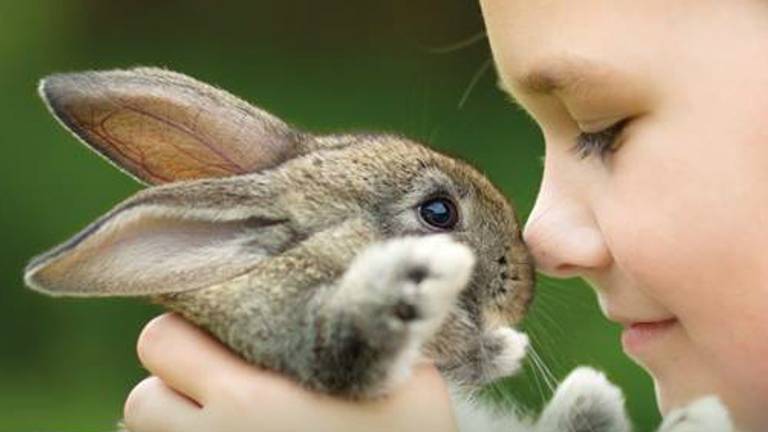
x: 663, y: 400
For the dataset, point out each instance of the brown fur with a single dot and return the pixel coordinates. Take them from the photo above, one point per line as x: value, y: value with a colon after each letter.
x: 277, y: 215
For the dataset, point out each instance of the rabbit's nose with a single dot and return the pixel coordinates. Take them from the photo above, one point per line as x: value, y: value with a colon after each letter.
x: 516, y: 279
x: 508, y: 272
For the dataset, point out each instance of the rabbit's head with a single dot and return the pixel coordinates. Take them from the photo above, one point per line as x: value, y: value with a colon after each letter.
x: 234, y: 186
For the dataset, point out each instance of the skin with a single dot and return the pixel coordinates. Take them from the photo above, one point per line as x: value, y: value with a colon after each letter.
x: 199, y: 385
x: 668, y: 226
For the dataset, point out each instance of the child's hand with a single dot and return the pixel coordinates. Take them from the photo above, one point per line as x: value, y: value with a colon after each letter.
x: 198, y: 385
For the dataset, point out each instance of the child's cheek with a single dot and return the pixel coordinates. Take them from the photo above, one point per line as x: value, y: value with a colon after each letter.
x: 676, y: 212
x: 677, y: 233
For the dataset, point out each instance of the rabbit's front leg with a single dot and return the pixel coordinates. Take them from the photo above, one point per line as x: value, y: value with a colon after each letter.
x: 368, y: 330
x: 585, y: 402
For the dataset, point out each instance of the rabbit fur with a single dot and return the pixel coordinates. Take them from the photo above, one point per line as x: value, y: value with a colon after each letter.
x: 309, y: 254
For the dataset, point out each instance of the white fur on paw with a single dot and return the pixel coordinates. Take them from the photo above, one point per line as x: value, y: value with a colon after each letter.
x: 588, y: 383
x: 514, y: 346
x: 420, y: 277
x: 473, y: 415
x: 424, y: 272
x: 703, y: 415
x: 447, y: 267
x: 585, y: 396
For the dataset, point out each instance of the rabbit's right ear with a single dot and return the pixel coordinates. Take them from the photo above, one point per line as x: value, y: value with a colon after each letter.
x: 162, y: 126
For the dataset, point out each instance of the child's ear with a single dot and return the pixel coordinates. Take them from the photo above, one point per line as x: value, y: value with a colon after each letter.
x: 162, y: 126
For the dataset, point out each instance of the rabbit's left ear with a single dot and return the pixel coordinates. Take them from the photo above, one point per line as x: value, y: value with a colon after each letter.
x: 162, y: 126
x: 170, y: 239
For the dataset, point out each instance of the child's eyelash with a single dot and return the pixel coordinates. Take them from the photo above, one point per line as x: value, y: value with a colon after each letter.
x: 598, y: 143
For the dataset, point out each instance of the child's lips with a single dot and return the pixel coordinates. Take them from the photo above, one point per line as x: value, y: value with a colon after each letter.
x: 638, y: 336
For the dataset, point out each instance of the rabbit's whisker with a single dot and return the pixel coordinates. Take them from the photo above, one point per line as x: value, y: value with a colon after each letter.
x: 539, y: 333
x: 455, y: 46
x: 473, y: 82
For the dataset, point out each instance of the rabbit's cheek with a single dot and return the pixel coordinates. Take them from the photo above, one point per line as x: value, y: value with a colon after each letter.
x: 509, y: 296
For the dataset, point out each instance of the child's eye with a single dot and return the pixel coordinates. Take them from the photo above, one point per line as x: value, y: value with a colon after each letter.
x: 599, y: 143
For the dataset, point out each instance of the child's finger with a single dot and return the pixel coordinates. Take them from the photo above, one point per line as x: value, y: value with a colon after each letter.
x: 154, y: 407
x: 183, y: 356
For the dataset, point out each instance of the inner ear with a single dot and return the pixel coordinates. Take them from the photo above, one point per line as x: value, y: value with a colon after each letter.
x: 147, y: 254
x: 168, y: 239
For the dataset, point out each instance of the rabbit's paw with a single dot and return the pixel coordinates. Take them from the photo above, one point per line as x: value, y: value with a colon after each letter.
x: 428, y: 273
x: 412, y: 280
x: 402, y: 290
x: 703, y: 415
x: 585, y: 402
x: 510, y: 349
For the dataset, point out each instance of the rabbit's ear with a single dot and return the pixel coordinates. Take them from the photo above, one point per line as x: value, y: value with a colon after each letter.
x: 158, y: 243
x: 161, y: 126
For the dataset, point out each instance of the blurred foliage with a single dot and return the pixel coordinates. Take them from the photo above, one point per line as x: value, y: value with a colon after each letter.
x: 67, y: 364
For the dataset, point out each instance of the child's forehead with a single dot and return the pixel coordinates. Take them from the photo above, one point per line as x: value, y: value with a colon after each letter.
x: 526, y: 26
x: 557, y: 45
x: 519, y: 32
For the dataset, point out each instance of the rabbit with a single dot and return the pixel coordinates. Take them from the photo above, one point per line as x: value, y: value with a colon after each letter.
x: 338, y: 260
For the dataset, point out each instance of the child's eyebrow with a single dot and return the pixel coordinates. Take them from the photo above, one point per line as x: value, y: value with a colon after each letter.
x: 565, y: 75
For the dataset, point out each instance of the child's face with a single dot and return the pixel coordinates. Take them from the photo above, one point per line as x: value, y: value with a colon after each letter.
x: 671, y: 228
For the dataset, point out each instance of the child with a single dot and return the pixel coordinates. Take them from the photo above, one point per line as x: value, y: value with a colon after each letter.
x: 655, y: 190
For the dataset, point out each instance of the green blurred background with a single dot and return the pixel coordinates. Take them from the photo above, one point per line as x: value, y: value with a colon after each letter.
x: 67, y: 365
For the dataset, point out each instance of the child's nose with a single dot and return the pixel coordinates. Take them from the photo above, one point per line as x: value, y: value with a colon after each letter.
x: 564, y: 238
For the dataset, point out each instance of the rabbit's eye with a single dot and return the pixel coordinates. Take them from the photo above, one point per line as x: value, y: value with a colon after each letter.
x: 439, y: 213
